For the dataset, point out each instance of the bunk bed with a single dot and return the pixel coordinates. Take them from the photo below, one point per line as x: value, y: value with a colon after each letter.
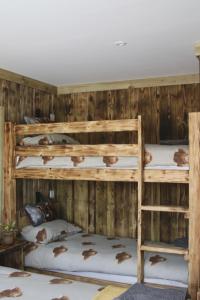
x: 140, y: 175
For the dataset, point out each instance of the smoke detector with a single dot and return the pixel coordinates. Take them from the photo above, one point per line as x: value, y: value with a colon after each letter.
x: 120, y: 43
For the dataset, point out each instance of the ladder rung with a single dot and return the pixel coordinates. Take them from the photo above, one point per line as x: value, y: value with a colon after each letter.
x: 176, y: 209
x: 151, y: 247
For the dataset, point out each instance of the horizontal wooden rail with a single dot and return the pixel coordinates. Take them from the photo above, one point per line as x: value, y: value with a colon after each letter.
x: 162, y: 208
x: 153, y: 247
x: 166, y: 176
x: 78, y: 150
x: 104, y: 174
x: 77, y: 127
x: 70, y: 277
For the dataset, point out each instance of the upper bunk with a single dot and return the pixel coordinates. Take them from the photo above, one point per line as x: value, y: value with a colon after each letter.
x: 129, y: 173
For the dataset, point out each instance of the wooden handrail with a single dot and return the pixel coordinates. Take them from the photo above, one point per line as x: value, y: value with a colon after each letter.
x: 78, y: 127
x: 78, y: 150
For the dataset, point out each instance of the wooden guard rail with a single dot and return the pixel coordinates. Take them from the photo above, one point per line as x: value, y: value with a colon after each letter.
x: 78, y: 127
x: 107, y: 174
x: 130, y: 175
x: 78, y: 150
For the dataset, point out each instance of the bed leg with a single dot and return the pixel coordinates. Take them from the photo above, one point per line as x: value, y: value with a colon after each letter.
x: 9, y: 209
x: 194, y: 203
x: 1, y: 158
x: 140, y: 237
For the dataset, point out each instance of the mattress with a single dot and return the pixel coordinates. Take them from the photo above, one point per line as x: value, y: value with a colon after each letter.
x: 31, y: 286
x: 173, y: 157
x: 100, y: 254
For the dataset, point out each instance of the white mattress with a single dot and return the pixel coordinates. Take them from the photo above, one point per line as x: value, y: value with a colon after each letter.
x: 162, y: 157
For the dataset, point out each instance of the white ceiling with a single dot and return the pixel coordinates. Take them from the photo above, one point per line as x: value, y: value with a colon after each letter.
x: 72, y: 41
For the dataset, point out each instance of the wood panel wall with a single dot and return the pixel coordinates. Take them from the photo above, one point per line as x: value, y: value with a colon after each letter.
x: 110, y: 208
x: 20, y: 100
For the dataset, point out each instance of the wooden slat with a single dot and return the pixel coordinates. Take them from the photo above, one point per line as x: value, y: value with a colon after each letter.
x: 100, y: 174
x: 111, y: 209
x: 97, y: 281
x: 198, y: 295
x: 168, y: 176
x: 78, y: 150
x: 194, y: 203
x: 78, y: 174
x: 2, y: 129
x: 151, y: 247
x: 176, y: 209
x: 197, y: 49
x: 140, y: 237
x: 9, y: 209
x: 78, y: 127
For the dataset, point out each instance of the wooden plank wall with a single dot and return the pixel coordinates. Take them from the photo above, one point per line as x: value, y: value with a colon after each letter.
x: 20, y: 100
x: 109, y: 208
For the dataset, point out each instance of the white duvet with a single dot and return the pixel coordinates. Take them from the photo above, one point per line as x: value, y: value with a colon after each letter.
x: 29, y: 286
x: 161, y: 157
x: 96, y: 253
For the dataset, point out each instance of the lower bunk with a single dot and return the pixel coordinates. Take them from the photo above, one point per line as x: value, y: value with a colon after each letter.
x: 105, y: 259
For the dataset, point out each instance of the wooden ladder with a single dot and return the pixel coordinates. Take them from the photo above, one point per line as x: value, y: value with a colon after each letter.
x: 141, y: 245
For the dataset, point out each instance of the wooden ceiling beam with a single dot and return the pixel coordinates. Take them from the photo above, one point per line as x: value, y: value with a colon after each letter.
x: 136, y: 83
x: 23, y: 80
x: 197, y: 49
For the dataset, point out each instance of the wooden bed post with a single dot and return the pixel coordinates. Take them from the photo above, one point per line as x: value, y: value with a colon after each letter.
x: 194, y: 203
x: 1, y: 158
x: 9, y: 209
x: 140, y: 238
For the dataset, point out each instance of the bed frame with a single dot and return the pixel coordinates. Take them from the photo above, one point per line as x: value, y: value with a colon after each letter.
x: 141, y: 175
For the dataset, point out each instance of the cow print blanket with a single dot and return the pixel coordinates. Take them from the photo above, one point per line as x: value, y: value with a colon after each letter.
x: 97, y: 253
x: 29, y: 286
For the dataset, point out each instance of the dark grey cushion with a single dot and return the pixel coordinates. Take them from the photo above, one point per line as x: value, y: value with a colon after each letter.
x: 35, y: 214
x: 144, y: 292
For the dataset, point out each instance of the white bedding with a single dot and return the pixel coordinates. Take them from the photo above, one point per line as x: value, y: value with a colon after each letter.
x: 97, y: 253
x: 41, y: 287
x: 160, y: 157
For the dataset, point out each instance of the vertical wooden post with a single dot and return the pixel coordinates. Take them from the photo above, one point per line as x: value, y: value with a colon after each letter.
x: 198, y: 296
x: 140, y: 238
x: 9, y: 210
x: 1, y: 158
x: 194, y: 203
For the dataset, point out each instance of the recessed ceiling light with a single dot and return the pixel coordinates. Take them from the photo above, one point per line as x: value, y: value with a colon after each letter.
x: 120, y: 44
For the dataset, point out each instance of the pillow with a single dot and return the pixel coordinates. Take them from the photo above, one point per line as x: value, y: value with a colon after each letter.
x: 49, y: 231
x: 36, y: 140
x: 40, y: 213
x: 36, y: 120
x: 181, y: 242
x: 58, y: 138
x: 47, y: 139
